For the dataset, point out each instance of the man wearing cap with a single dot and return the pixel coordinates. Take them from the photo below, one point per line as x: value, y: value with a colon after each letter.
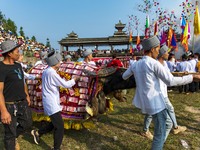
x: 68, y: 58
x: 26, y: 75
x: 43, y: 55
x: 51, y: 82
x: 149, y: 96
x: 15, y: 113
x: 87, y: 54
x: 162, y: 57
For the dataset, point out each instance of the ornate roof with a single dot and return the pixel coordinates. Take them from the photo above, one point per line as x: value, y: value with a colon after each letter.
x: 72, y: 35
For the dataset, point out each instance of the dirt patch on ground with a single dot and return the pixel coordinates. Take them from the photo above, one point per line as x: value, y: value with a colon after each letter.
x: 192, y: 110
x: 195, y: 111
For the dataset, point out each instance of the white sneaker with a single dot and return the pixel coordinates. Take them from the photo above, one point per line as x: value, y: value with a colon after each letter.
x: 179, y: 129
x: 147, y: 134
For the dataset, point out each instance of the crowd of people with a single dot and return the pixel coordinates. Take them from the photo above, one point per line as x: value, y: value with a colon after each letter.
x: 153, y: 75
x: 152, y: 79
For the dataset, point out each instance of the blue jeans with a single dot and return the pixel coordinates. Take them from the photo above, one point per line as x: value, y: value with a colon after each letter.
x: 171, y: 113
x: 170, y: 110
x: 162, y: 127
x: 147, y: 122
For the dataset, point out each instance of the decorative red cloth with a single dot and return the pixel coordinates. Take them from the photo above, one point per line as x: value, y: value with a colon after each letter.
x: 116, y: 63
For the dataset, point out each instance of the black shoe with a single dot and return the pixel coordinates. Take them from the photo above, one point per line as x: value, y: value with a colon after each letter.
x: 35, y: 136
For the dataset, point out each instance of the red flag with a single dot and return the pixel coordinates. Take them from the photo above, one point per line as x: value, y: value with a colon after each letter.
x: 156, y: 28
x: 163, y: 38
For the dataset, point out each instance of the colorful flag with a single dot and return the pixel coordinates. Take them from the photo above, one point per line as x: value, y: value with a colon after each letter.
x: 163, y: 38
x: 183, y: 23
x: 185, y: 38
x: 196, y: 21
x: 147, y: 27
x: 173, y: 41
x: 188, y: 31
x: 138, y: 42
x: 169, y: 38
x: 156, y: 28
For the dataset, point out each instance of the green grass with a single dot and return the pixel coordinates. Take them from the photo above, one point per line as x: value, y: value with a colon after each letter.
x: 119, y: 130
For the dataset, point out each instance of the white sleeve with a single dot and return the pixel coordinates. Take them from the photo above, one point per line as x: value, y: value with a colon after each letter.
x: 168, y: 78
x: 127, y: 73
x: 58, y: 81
x: 29, y: 76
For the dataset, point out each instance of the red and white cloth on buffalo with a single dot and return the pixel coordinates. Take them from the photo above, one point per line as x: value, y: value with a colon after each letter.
x: 72, y: 100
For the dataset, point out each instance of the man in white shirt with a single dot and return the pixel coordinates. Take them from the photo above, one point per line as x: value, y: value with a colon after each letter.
x: 149, y: 97
x: 162, y: 57
x: 87, y: 54
x: 51, y: 82
x: 193, y: 87
x: 26, y: 75
x: 43, y: 55
x: 184, y: 66
x: 171, y: 62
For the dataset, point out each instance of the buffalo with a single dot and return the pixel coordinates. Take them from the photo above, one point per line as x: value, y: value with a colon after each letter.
x: 88, y: 96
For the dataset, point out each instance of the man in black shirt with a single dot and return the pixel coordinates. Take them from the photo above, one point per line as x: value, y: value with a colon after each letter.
x: 15, y: 113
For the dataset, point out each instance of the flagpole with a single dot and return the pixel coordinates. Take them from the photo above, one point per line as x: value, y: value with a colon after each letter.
x: 193, y: 41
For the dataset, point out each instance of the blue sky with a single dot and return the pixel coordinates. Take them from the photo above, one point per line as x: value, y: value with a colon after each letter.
x: 54, y: 19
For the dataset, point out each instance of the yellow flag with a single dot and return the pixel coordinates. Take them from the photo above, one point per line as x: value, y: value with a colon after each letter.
x: 169, y: 38
x: 196, y: 22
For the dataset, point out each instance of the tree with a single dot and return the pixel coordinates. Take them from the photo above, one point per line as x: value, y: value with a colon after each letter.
x: 21, y: 32
x: 2, y: 19
x: 33, y: 38
x: 9, y: 25
x: 48, y: 43
x: 1, y: 16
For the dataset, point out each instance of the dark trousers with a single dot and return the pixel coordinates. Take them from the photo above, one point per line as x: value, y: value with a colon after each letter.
x: 20, y: 122
x: 57, y: 125
x: 184, y: 88
x: 194, y: 86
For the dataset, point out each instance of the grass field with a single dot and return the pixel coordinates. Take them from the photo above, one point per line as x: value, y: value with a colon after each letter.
x: 120, y: 129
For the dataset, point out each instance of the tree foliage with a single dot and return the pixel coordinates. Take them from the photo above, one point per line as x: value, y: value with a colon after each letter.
x: 33, y: 38
x: 21, y: 32
x: 1, y: 16
x: 9, y: 25
x: 48, y: 43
